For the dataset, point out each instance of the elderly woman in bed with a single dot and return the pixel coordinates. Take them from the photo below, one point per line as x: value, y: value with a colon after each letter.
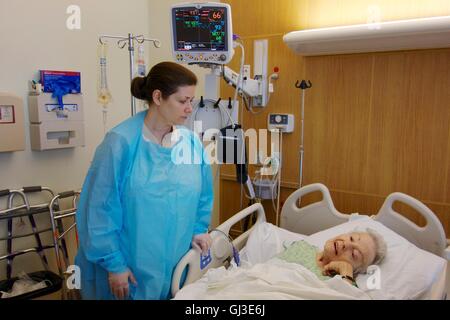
x: 347, y: 254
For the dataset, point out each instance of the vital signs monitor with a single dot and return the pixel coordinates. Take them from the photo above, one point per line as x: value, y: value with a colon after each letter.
x: 202, y: 33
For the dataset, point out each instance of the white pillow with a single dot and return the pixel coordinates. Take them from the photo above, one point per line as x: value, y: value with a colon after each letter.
x: 265, y: 241
x: 406, y: 272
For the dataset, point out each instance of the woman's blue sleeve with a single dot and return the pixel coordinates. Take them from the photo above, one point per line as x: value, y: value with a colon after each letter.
x: 99, y: 214
x: 205, y: 205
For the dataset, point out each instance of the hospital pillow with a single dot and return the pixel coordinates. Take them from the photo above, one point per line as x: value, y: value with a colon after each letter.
x: 406, y: 272
x: 265, y: 241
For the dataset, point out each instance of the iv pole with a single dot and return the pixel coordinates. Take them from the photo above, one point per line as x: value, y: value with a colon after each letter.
x: 303, y: 85
x: 123, y: 41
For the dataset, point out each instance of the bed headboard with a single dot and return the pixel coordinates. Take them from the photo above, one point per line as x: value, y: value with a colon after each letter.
x: 314, y: 217
x: 323, y: 215
x: 431, y: 237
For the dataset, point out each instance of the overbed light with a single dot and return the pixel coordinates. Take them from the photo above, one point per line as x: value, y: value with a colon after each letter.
x: 421, y: 33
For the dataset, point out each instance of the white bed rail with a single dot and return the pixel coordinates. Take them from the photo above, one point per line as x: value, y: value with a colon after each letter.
x: 314, y: 217
x: 221, y: 249
x: 430, y: 237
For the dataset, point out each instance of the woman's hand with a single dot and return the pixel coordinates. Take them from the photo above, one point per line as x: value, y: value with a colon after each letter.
x: 202, y: 242
x: 118, y: 282
x: 338, y: 267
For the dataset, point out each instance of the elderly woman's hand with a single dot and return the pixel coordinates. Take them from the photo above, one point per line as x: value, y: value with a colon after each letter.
x: 338, y: 267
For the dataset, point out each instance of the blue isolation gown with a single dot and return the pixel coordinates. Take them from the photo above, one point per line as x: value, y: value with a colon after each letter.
x: 139, y: 208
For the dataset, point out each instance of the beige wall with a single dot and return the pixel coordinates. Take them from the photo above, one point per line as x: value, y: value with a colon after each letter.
x: 34, y: 36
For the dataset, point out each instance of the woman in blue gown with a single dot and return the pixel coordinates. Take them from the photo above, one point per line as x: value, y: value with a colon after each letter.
x: 148, y: 194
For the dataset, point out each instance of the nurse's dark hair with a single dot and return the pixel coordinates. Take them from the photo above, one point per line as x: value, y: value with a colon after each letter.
x: 166, y: 77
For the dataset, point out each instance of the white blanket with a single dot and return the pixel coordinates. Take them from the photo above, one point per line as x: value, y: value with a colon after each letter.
x: 274, y: 280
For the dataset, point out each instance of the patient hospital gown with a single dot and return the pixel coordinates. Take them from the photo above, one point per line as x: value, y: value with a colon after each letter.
x: 139, y: 208
x: 303, y: 253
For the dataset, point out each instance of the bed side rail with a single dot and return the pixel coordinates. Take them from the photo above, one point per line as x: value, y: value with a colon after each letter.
x: 221, y: 249
x: 311, y: 218
x: 430, y: 237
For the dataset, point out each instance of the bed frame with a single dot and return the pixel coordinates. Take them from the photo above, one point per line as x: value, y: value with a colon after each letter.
x: 313, y: 218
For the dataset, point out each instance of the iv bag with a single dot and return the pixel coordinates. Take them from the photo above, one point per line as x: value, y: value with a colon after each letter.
x: 141, y: 71
x: 104, y: 96
x: 140, y: 61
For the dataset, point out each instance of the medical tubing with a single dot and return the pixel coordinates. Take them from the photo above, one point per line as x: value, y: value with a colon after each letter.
x: 279, y: 178
x: 241, y: 70
x: 230, y: 119
x: 105, y: 119
x: 273, y: 188
x: 243, y: 162
x: 240, y: 114
x: 230, y: 239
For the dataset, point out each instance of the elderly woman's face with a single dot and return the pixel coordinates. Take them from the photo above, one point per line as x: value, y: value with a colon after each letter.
x: 357, y: 248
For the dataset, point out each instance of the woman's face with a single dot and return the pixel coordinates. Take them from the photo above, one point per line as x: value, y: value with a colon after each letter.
x: 357, y: 248
x: 178, y: 106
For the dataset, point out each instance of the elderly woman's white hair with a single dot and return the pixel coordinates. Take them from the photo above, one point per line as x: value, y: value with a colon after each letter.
x: 381, y: 248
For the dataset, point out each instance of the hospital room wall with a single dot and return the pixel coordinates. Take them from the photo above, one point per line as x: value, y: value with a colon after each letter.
x: 34, y: 36
x: 376, y: 123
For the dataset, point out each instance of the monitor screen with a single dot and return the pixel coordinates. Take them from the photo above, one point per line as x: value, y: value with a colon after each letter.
x: 203, y: 29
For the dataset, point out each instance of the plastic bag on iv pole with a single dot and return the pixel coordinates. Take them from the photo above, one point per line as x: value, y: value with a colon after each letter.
x: 104, y: 96
x: 141, y: 71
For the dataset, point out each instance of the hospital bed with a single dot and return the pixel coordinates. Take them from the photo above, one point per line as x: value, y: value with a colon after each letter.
x: 418, y: 248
